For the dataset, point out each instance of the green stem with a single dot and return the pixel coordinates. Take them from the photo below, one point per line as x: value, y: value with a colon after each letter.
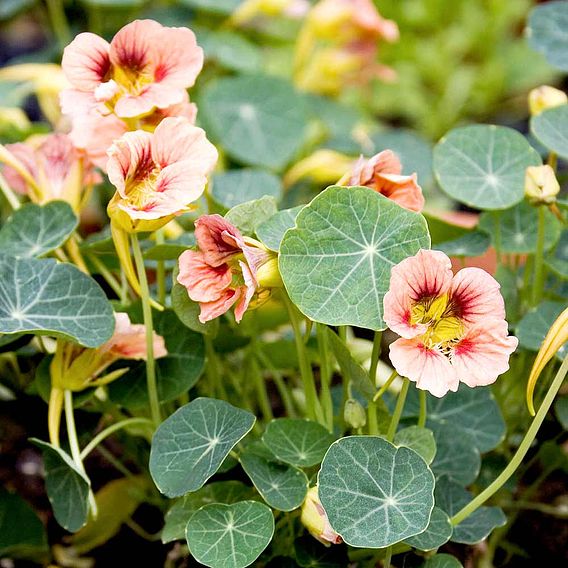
x: 279, y: 382
x: 59, y: 22
x: 313, y: 409
x: 386, y: 386
x: 372, y: 418
x: 521, y: 451
x: 342, y: 332
x: 497, y: 235
x: 260, y: 385
x: 111, y: 430
x: 398, y: 410
x: 325, y: 375
x: 151, y: 383
x: 106, y: 274
x: 375, y: 355
x: 118, y: 465
x: 539, y: 270
x: 388, y: 556
x: 10, y: 196
x: 74, y: 445
x: 161, y: 271
x: 216, y: 381
x: 423, y: 409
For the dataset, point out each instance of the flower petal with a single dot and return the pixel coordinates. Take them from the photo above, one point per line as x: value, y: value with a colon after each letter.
x: 204, y: 283
x: 403, y: 190
x: 427, y: 274
x: 152, y: 97
x: 483, y: 354
x: 211, y: 310
x: 428, y: 368
x: 475, y: 296
x: 176, y: 139
x: 132, y: 47
x: 217, y: 239
x: 26, y: 156
x: 247, y: 292
x: 86, y: 61
x: 130, y: 159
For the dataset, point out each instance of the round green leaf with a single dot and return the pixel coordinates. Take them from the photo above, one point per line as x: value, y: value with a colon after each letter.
x: 550, y: 128
x: 534, y: 326
x: 239, y: 186
x: 283, y: 487
x: 190, y: 445
x: 34, y: 230
x: 179, y: 513
x: 67, y: 487
x: 258, y: 120
x: 421, y: 440
x: 336, y: 262
x: 518, y: 228
x: 248, y: 216
x: 547, y: 32
x: 452, y: 497
x: 474, y: 243
x: 22, y: 534
x: 442, y: 561
x: 437, y: 534
x: 298, y: 442
x: 271, y: 232
x: 175, y: 374
x: 471, y: 411
x: 484, y: 166
x: 48, y: 298
x: 231, y: 536
x: 231, y: 50
x: 464, y: 469
x: 374, y: 493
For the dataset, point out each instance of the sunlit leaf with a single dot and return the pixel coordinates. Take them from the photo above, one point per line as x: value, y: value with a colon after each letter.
x: 421, y: 440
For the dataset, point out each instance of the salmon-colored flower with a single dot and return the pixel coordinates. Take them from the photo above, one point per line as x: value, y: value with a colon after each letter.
x: 382, y: 173
x: 228, y: 269
x: 145, y: 66
x: 453, y: 327
x: 314, y: 518
x: 94, y: 131
x: 158, y: 175
x: 52, y: 168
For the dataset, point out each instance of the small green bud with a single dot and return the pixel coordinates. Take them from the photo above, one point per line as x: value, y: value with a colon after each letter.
x: 354, y: 414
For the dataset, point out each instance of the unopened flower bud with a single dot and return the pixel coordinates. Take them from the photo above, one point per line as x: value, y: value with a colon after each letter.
x: 268, y: 275
x: 354, y: 413
x: 314, y: 518
x: 545, y: 97
x: 541, y: 185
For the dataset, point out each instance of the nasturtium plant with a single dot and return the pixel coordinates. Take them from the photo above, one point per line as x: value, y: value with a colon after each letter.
x: 337, y: 275
x: 269, y: 294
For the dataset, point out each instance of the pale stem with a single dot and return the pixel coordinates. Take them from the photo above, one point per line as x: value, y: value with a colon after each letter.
x: 10, y: 196
x: 161, y: 271
x: 539, y: 269
x: 386, y: 386
x: 521, y: 451
x: 325, y: 375
x: 111, y: 430
x: 151, y: 383
x: 398, y: 410
x: 423, y: 409
x: 74, y: 445
x: 106, y: 274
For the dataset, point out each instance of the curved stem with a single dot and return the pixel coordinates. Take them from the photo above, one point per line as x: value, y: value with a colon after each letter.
x: 521, y: 451
x: 74, y: 445
x: 375, y: 355
x: 106, y: 274
x: 398, y: 410
x: 313, y: 409
x: 539, y: 270
x: 279, y: 382
x: 54, y: 409
x: 151, y: 383
x: 423, y: 409
x: 110, y: 430
x: 386, y: 386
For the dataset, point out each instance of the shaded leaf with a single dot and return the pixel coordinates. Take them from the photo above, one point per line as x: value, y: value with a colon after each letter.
x: 248, y: 216
x: 234, y: 187
x: 271, y: 232
x: 437, y: 534
x: 421, y: 440
x: 547, y: 32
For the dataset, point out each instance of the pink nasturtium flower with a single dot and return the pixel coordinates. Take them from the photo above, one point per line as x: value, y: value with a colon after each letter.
x: 157, y: 175
x: 383, y: 173
x: 50, y: 168
x: 145, y: 66
x: 227, y: 269
x: 452, y: 327
x: 314, y: 518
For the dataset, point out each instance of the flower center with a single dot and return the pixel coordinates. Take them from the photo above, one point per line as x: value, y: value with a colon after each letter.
x: 445, y: 327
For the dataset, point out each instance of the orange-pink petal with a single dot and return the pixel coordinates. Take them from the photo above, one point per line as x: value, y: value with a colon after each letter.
x: 129, y: 340
x: 86, y: 61
x: 427, y: 274
x: 217, y: 239
x: 212, y: 310
x: 430, y: 369
x: 204, y: 283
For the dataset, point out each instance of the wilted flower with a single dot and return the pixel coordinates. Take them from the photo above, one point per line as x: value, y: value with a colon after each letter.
x: 382, y: 173
x: 145, y: 66
x: 227, y: 269
x: 48, y: 168
x: 453, y: 327
x: 158, y: 175
x: 545, y: 97
x: 314, y: 518
x: 541, y: 185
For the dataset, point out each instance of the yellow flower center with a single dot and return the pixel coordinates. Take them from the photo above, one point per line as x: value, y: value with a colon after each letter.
x: 141, y: 189
x: 439, y: 314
